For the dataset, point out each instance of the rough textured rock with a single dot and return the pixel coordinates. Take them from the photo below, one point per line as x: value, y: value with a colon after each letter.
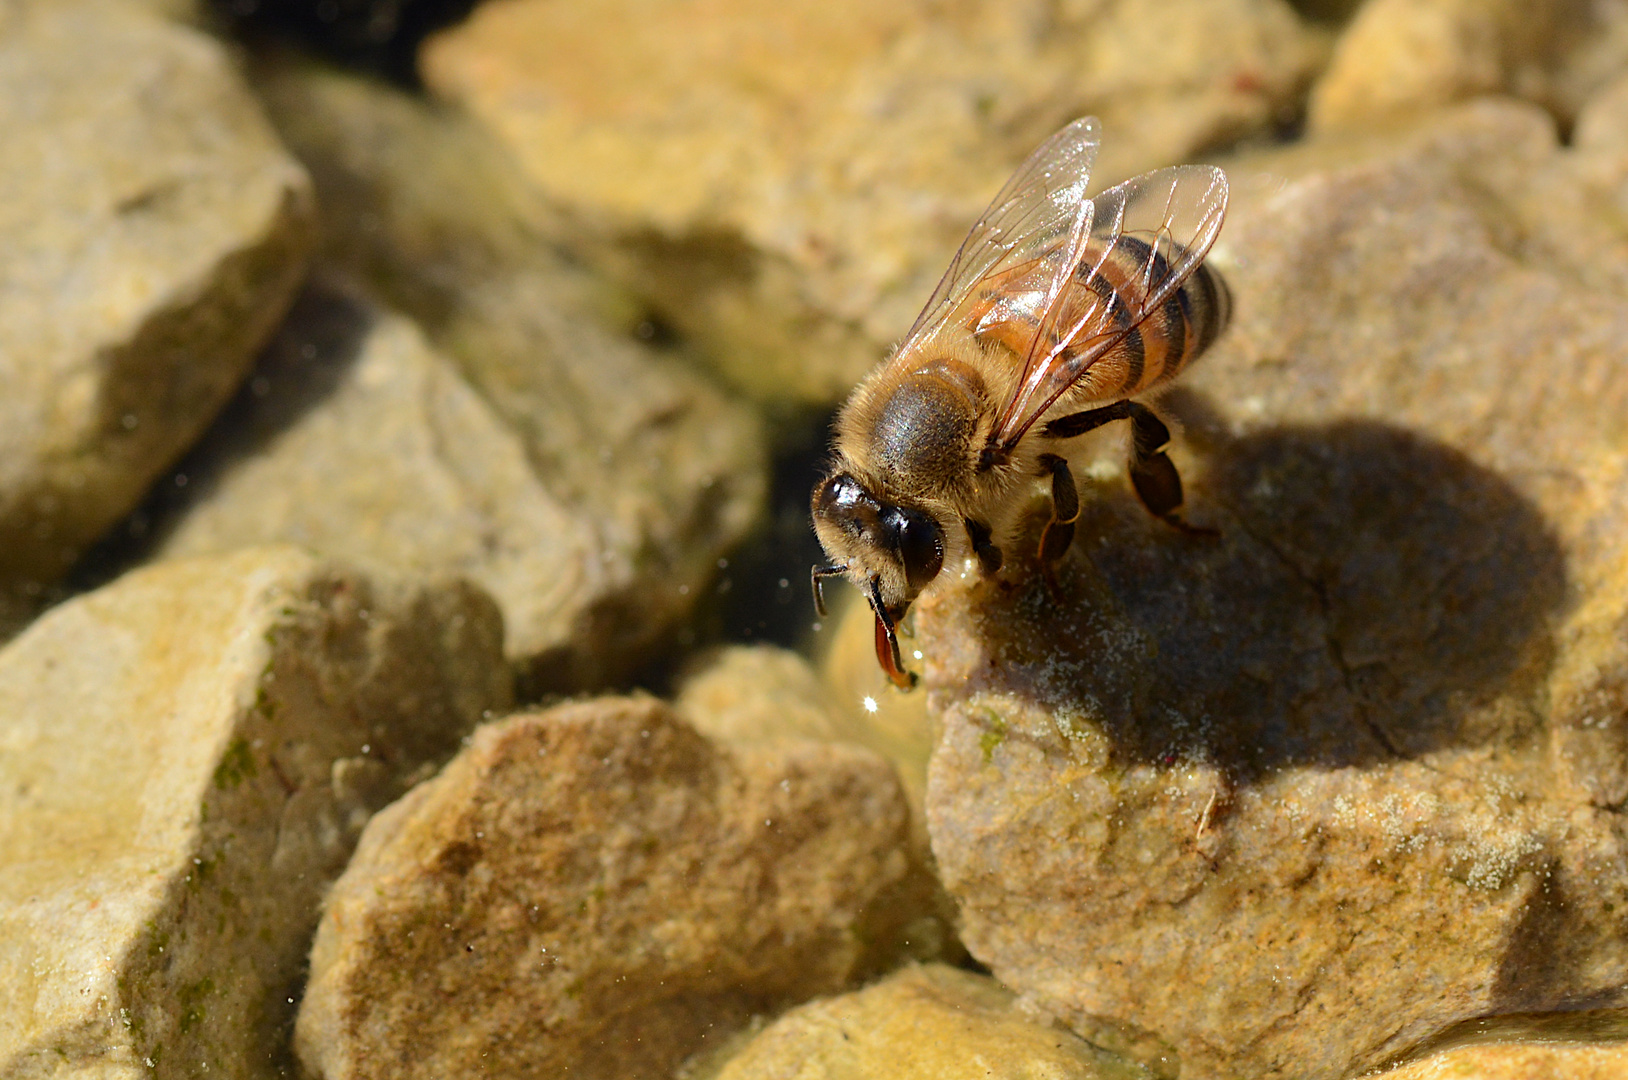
x: 154, y: 233
x: 932, y: 1023
x: 599, y: 889
x: 788, y: 187
x: 1291, y: 801
x: 762, y: 694
x: 663, y: 471
x: 1403, y: 56
x: 186, y: 759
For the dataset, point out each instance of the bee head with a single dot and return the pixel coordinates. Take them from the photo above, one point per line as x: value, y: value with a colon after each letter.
x: 890, y: 551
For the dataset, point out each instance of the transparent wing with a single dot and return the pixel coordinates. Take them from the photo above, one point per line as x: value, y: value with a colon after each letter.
x: 1038, y: 210
x: 1147, y: 236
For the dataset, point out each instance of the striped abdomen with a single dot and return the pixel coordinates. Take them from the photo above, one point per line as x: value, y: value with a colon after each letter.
x: 1107, y: 296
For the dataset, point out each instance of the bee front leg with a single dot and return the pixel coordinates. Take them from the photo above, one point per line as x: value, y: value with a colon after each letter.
x: 989, y: 556
x: 1153, y: 474
x: 1065, y: 511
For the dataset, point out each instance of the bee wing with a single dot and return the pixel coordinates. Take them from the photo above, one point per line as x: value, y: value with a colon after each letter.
x: 1147, y: 236
x: 1042, y: 206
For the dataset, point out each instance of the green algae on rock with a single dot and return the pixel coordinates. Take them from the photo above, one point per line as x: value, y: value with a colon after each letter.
x: 187, y: 758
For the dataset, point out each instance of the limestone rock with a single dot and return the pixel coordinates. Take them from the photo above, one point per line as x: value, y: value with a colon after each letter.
x: 1293, y: 801
x: 932, y: 1023
x: 1406, y: 56
x: 355, y: 438
x: 597, y: 889
x: 788, y: 186
x: 186, y: 758
x: 661, y: 470
x: 154, y: 232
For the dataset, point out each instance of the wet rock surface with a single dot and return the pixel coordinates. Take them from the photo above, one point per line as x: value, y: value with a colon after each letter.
x: 788, y: 187
x: 1518, y: 1061
x: 1292, y: 800
x: 599, y: 888
x: 187, y: 758
x: 155, y: 231
x: 927, y: 1022
x: 761, y: 692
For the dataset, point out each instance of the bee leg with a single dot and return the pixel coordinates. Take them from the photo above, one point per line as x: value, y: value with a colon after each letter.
x: 1153, y: 474
x: 1075, y: 424
x: 1065, y: 511
x: 989, y: 556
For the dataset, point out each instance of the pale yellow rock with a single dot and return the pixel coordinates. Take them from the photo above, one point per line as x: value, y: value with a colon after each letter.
x: 186, y: 758
x: 1407, y: 56
x: 1294, y: 800
x: 357, y: 439
x: 154, y: 232
x: 763, y: 694
x: 659, y: 471
x: 1547, y: 1060
x: 597, y: 890
x: 786, y: 183
x: 922, y: 1023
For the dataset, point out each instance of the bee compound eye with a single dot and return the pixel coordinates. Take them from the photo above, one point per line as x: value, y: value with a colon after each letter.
x: 920, y: 544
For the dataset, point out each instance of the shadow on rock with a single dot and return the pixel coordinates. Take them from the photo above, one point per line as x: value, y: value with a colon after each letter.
x: 299, y: 370
x: 1373, y: 596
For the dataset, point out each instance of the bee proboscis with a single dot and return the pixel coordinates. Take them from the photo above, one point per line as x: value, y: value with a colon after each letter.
x: 1055, y: 316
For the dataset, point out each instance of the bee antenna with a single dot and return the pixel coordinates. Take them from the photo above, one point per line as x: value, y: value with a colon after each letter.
x: 820, y: 573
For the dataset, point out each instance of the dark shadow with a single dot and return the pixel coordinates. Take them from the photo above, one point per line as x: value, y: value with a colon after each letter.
x: 318, y: 342
x: 381, y: 36
x: 1373, y: 595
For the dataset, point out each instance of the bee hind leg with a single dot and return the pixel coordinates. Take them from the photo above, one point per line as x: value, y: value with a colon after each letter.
x: 1153, y: 474
x: 1058, y: 534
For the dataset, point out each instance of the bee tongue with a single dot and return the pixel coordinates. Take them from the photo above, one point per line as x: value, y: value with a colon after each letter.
x: 887, y: 654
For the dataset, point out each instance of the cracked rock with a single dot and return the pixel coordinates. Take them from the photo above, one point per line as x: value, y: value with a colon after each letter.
x: 1296, y: 799
x: 599, y: 890
x: 187, y: 757
x: 154, y: 232
x: 787, y: 189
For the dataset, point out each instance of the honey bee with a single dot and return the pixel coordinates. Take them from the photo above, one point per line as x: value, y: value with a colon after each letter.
x: 1057, y: 313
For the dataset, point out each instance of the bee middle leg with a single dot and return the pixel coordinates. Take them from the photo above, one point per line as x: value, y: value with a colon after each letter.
x: 1153, y: 474
x: 1058, y: 534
